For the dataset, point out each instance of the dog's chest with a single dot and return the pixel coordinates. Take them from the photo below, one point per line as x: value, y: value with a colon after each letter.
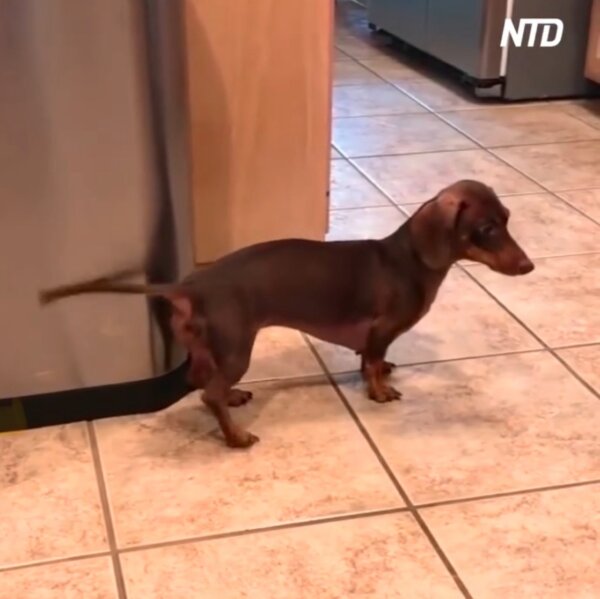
x: 429, y: 292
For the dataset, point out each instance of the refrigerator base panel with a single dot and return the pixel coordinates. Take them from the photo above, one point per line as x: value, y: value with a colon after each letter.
x: 94, y: 403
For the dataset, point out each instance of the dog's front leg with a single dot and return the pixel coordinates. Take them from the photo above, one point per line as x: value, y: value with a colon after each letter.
x: 374, y: 367
x: 218, y: 396
x: 387, y: 367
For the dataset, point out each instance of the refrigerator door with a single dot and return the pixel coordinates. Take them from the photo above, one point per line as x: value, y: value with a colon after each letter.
x: 92, y: 180
x: 550, y: 72
x: 466, y: 34
x: 406, y: 19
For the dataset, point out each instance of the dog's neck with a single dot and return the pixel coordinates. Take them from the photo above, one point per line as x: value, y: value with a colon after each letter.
x: 403, y: 249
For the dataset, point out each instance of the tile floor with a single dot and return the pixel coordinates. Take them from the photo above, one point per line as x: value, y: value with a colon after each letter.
x: 484, y: 482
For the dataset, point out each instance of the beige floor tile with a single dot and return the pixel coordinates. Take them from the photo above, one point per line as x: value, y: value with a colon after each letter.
x: 559, y: 167
x: 463, y: 322
x: 169, y: 475
x: 364, y: 47
x: 281, y: 353
x: 502, y: 127
x: 366, y: 223
x: 350, y: 189
x: 81, y: 579
x: 402, y: 134
x: 394, y: 69
x: 559, y: 301
x: 49, y: 496
x: 384, y: 556
x: 545, y: 226
x: 539, y: 546
x: 439, y: 96
x: 372, y: 100
x: 484, y: 426
x: 351, y: 73
x: 586, y: 362
x: 587, y: 200
x: 586, y: 110
x: 417, y: 178
x: 338, y: 55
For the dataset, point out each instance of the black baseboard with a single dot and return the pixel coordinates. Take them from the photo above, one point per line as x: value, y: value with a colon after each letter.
x: 93, y: 403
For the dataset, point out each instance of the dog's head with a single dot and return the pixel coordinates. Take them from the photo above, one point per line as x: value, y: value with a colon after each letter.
x: 467, y: 221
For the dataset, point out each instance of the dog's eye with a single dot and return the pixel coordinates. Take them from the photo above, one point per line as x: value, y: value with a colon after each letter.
x: 484, y: 235
x: 487, y: 230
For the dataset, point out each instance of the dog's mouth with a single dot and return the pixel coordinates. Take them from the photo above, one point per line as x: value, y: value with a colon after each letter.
x: 513, y: 262
x: 518, y: 268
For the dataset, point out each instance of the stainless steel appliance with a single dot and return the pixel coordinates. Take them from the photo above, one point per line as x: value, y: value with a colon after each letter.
x: 466, y: 34
x: 93, y: 178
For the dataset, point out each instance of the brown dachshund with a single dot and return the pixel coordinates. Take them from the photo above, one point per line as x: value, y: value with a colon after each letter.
x: 359, y: 294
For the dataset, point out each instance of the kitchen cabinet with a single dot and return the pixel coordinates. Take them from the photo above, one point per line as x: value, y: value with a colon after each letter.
x: 259, y: 90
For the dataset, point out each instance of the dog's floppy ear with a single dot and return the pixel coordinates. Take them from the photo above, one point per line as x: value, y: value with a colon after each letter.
x: 433, y: 229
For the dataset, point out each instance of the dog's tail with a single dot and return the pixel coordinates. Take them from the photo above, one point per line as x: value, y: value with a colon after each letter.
x: 108, y: 284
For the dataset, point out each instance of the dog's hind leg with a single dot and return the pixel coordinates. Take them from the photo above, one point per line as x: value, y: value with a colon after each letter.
x: 231, y: 350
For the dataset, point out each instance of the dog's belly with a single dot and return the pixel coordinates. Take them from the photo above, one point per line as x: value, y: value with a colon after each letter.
x: 353, y: 335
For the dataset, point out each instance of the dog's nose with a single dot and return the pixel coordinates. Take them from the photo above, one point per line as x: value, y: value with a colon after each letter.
x: 525, y: 266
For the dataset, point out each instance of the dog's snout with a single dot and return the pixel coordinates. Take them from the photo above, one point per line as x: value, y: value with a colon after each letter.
x: 525, y: 266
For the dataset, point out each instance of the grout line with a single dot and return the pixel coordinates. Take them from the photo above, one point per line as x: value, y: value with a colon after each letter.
x: 549, y: 349
x: 558, y: 142
x: 445, y: 119
x: 500, y: 495
x: 578, y: 117
x: 396, y: 155
x: 361, y: 173
x: 366, y: 207
x: 400, y: 490
x: 385, y: 115
x: 449, y: 360
x: 320, y: 375
x: 266, y: 529
x: 380, y: 77
x: 110, y: 530
x: 573, y: 207
x: 522, y: 172
x: 576, y: 345
x: 516, y: 194
x: 52, y: 561
x: 478, y: 265
x: 308, y: 523
x: 440, y: 114
x: 313, y: 376
x: 544, y: 257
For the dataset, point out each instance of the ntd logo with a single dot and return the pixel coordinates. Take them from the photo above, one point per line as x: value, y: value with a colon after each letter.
x: 517, y: 34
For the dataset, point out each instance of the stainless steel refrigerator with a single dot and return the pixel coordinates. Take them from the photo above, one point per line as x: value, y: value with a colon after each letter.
x: 93, y: 179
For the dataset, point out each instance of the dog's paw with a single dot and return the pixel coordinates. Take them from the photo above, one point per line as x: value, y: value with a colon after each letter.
x: 385, y: 394
x: 243, y: 441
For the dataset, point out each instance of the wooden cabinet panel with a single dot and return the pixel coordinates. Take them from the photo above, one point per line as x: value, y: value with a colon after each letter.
x: 259, y: 82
